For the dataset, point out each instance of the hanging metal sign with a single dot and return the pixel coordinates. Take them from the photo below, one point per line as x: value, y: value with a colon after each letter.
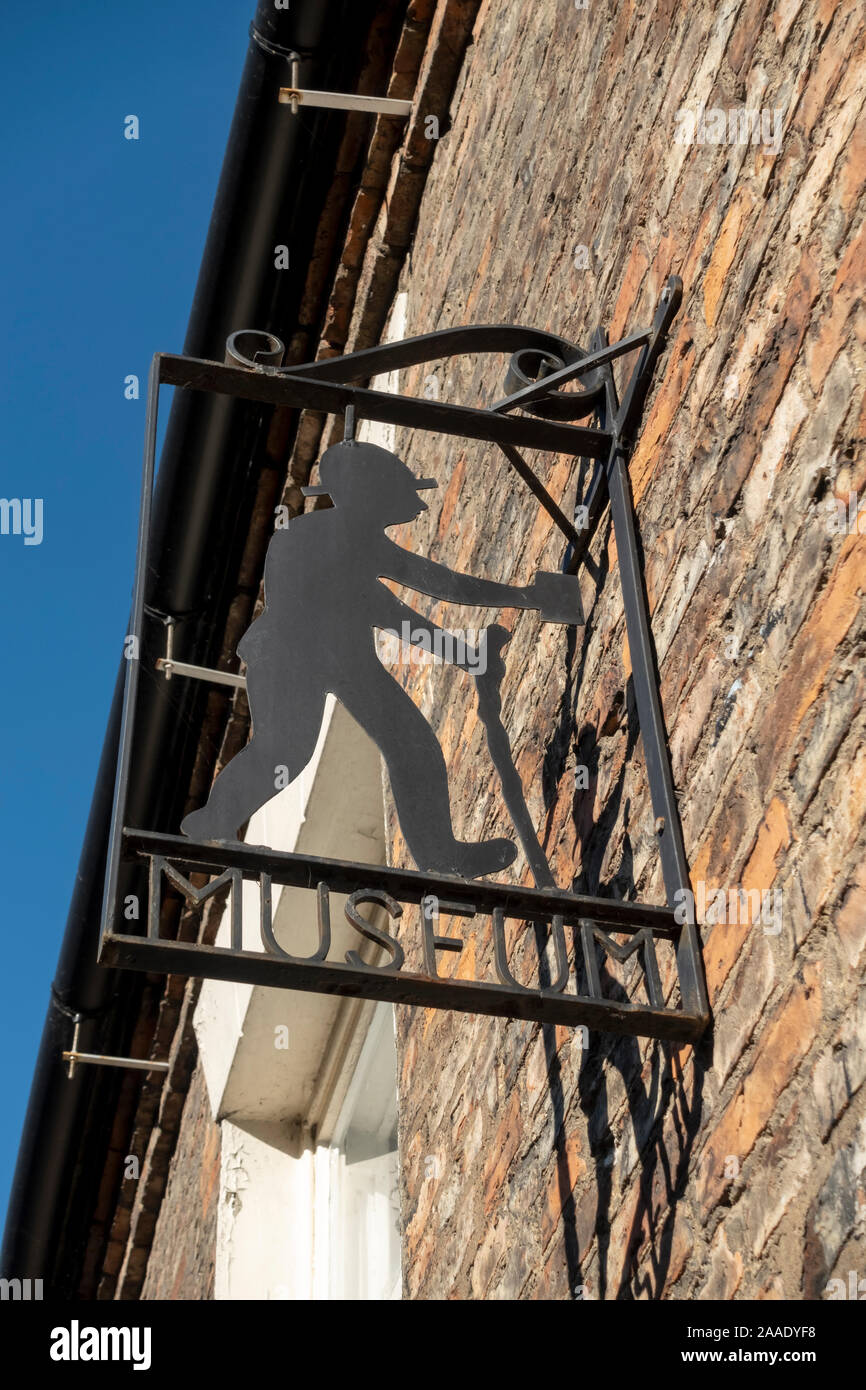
x: 324, y: 603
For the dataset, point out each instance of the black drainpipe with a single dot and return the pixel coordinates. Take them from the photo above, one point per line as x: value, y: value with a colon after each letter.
x: 274, y: 179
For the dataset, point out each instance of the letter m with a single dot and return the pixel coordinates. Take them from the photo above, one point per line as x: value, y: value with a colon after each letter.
x: 194, y: 896
x: 642, y: 941
x: 741, y: 126
x: 115, y: 1344
x: 10, y: 1288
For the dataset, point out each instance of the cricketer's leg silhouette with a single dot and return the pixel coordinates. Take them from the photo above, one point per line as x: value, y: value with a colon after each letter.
x: 287, y: 717
x: 418, y: 776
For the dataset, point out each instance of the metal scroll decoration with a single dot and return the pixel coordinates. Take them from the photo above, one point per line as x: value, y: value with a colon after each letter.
x: 325, y: 599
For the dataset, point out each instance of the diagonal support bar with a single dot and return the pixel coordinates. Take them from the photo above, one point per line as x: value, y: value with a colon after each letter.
x: 642, y: 651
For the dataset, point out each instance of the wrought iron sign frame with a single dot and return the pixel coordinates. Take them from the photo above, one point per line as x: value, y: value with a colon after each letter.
x: 327, y: 386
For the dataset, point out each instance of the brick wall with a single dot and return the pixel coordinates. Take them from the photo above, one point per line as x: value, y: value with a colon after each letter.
x: 561, y: 199
x: 182, y: 1256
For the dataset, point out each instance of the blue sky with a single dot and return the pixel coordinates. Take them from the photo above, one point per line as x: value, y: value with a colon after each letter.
x: 100, y: 246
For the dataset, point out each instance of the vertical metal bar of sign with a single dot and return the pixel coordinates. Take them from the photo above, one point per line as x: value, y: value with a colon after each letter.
x: 675, y: 867
x: 132, y: 653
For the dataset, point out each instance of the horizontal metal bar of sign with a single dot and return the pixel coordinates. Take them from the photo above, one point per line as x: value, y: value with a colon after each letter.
x: 406, y: 885
x: 464, y: 996
x: 307, y: 392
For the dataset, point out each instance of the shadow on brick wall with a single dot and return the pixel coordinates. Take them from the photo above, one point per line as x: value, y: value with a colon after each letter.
x: 638, y: 1264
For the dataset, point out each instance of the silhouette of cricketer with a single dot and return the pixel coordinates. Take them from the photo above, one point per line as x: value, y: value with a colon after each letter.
x: 324, y: 599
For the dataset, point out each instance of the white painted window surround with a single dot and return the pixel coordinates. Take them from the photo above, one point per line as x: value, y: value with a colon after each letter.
x: 305, y: 1085
x: 364, y: 1254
